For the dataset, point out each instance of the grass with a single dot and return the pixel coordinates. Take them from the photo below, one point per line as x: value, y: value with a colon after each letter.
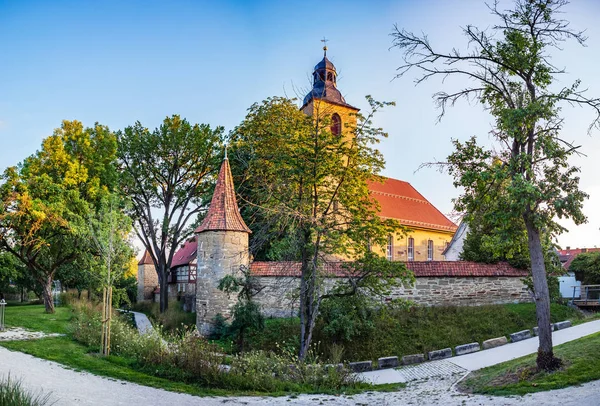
x: 35, y: 318
x: 581, y: 360
x: 12, y: 393
x: 79, y: 357
x: 418, y: 330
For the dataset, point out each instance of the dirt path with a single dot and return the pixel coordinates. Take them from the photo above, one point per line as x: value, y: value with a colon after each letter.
x: 68, y: 387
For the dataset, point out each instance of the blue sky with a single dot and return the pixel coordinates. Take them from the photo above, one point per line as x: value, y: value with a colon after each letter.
x: 116, y: 62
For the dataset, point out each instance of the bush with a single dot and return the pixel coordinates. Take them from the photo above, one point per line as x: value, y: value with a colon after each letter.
x: 174, y: 320
x: 12, y: 393
x: 183, y: 356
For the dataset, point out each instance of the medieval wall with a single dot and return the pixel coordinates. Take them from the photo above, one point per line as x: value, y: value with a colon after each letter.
x: 147, y: 281
x: 279, y: 298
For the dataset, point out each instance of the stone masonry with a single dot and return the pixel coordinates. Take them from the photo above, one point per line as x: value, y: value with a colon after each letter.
x: 279, y: 297
x: 147, y: 278
x: 220, y: 253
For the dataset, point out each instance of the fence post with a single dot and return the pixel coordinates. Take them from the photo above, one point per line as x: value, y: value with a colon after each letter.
x: 2, y: 306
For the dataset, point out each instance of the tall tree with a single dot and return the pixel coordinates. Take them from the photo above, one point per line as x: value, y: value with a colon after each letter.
x: 312, y: 185
x: 510, y: 66
x: 46, y: 200
x: 167, y: 173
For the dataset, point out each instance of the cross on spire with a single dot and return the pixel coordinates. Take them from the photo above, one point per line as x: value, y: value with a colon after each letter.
x: 324, y: 41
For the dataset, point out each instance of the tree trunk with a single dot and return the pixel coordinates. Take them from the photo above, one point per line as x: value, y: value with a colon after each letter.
x: 47, y: 293
x: 545, y: 359
x: 164, y: 290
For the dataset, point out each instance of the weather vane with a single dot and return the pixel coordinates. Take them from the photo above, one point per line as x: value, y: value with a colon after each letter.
x: 324, y: 41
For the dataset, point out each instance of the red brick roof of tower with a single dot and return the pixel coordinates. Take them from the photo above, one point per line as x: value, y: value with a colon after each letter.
x: 223, y: 213
x: 146, y: 259
x: 399, y: 200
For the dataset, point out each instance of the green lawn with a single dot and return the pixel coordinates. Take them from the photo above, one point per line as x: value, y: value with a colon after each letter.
x: 33, y: 317
x: 517, y: 377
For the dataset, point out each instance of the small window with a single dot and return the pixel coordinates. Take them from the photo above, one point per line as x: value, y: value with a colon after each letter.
x: 389, y: 251
x: 336, y: 124
x: 411, y: 249
x: 430, y: 250
x: 330, y: 76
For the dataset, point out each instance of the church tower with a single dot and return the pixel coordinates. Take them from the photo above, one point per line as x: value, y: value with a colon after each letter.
x: 324, y: 102
x: 222, y: 250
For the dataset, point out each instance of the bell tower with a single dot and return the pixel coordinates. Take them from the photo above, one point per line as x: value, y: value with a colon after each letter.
x: 325, y: 101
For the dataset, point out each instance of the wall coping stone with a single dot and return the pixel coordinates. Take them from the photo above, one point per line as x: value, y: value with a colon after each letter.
x: 388, y: 362
x: 413, y: 359
x: 562, y: 324
x: 361, y: 366
x: 440, y: 354
x: 520, y: 336
x: 494, y: 342
x: 466, y: 348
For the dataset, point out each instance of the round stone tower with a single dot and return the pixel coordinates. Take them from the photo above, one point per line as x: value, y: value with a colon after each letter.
x: 222, y: 250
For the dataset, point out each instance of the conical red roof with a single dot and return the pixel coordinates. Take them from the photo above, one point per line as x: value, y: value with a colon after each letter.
x: 223, y: 213
x: 146, y: 259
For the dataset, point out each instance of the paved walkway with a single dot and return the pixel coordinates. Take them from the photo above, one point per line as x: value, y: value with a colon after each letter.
x: 142, y: 322
x: 68, y: 387
x: 477, y: 360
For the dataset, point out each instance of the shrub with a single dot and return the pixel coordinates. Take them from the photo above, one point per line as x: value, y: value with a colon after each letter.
x: 12, y: 393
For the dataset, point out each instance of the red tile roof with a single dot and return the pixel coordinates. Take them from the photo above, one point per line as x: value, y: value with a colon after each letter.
x: 399, y: 200
x: 146, y: 259
x: 223, y: 213
x: 185, y: 254
x: 420, y: 269
x: 567, y: 256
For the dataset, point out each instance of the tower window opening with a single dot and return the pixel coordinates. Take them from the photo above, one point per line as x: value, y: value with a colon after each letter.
x: 336, y: 124
x: 330, y: 76
x: 430, y: 250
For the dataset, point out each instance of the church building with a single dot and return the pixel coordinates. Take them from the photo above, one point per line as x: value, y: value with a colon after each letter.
x: 221, y: 243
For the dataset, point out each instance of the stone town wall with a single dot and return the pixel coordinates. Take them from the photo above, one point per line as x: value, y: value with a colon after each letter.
x: 220, y: 253
x: 279, y: 298
x: 147, y: 281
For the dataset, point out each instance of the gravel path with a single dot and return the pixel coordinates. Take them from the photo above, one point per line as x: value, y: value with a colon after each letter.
x: 68, y: 387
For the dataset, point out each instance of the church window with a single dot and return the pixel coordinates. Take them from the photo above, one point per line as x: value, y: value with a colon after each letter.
x: 322, y: 75
x: 389, y: 251
x: 411, y: 249
x: 330, y: 76
x: 430, y: 250
x: 336, y: 124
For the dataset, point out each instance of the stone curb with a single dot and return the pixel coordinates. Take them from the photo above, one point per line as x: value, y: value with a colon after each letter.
x: 466, y: 349
x: 439, y: 354
x: 494, y: 342
x: 393, y: 362
x: 520, y: 336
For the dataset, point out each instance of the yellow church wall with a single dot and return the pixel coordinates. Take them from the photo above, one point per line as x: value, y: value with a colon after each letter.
x: 421, y: 237
x: 323, y: 109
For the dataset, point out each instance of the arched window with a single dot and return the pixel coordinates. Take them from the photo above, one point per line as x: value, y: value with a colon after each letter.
x: 336, y: 124
x: 330, y: 76
x: 411, y: 249
x: 430, y: 250
x: 389, y: 249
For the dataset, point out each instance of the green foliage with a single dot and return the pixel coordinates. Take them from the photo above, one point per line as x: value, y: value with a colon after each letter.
x: 48, y: 198
x: 167, y: 174
x: 406, y: 330
x: 306, y: 190
x: 172, y: 321
x: 587, y: 268
x: 187, y: 358
x: 12, y: 393
x: 528, y: 167
x: 246, y: 312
